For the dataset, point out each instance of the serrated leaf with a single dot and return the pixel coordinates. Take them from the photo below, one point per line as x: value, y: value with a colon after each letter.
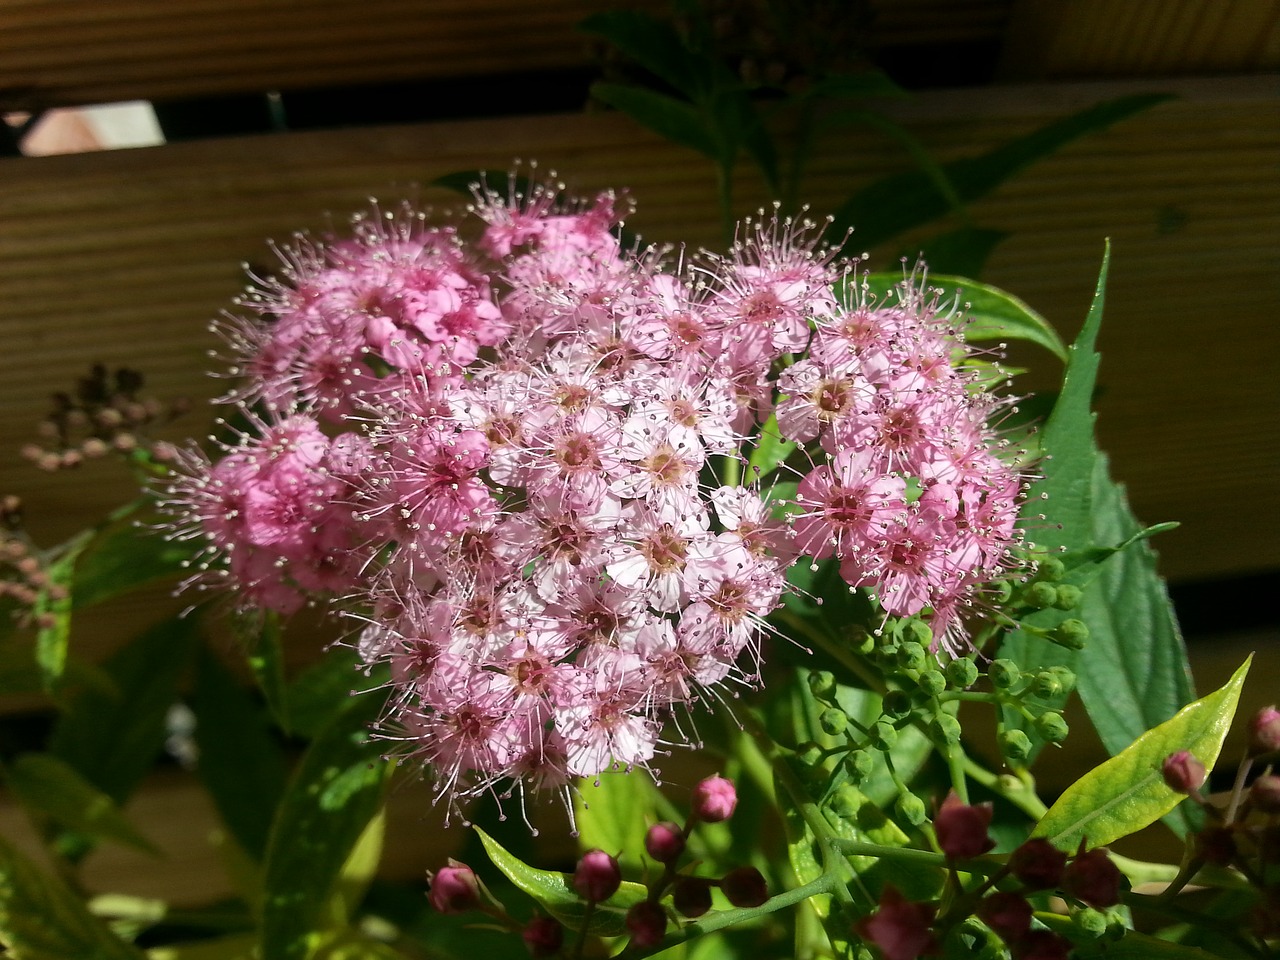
x: 112, y: 737
x: 49, y: 788
x: 673, y: 119
x: 240, y: 762
x: 615, y: 813
x: 554, y: 892
x: 993, y: 314
x: 41, y: 919
x: 902, y: 201
x: 1128, y: 792
x: 335, y: 792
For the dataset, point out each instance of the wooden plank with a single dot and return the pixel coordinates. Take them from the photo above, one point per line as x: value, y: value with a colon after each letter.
x: 1072, y: 39
x: 66, y: 52
x: 121, y: 258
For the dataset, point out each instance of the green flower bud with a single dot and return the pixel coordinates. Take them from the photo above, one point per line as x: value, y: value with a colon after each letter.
x: 809, y: 754
x: 884, y: 735
x: 1015, y: 745
x: 861, y: 639
x: 917, y: 631
x: 833, y: 721
x: 1047, y: 684
x: 932, y: 683
x: 1003, y: 674
x: 846, y: 802
x: 1040, y: 595
x: 962, y: 672
x: 1001, y: 591
x: 946, y: 728
x: 1052, y: 727
x: 896, y: 704
x: 1072, y: 634
x: 1065, y: 677
x: 911, y: 655
x: 822, y: 684
x: 910, y: 809
x: 858, y: 764
x: 1050, y: 570
x: 1089, y: 923
x: 1068, y: 596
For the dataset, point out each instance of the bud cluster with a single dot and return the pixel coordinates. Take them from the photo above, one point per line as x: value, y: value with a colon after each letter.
x: 104, y: 414
x: 24, y: 577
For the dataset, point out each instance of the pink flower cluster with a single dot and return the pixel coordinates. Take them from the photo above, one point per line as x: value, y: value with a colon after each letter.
x: 518, y: 462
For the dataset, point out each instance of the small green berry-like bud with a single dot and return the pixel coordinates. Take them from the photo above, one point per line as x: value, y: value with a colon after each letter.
x: 1002, y: 591
x: 1050, y: 570
x: 1065, y: 677
x: 1041, y: 596
x: 962, y: 672
x: 1003, y: 674
x: 1015, y: 745
x: 884, y: 735
x: 861, y: 639
x: 1052, y: 727
x: 1089, y: 923
x: 1072, y: 634
x: 1046, y: 684
x: 810, y: 754
x: 846, y: 801
x: 833, y: 721
x: 911, y: 655
x: 910, y: 808
x: 858, y: 764
x: 896, y: 704
x: 946, y: 728
x: 1068, y: 596
x: 917, y: 631
x: 822, y: 684
x: 932, y: 683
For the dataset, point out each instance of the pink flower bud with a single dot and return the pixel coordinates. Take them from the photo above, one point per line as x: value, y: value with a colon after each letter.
x: 647, y: 922
x: 714, y: 799
x: 1183, y: 772
x: 1092, y: 878
x: 1007, y: 913
x: 454, y: 889
x: 1217, y: 845
x: 691, y: 897
x: 899, y: 928
x: 597, y: 877
x: 1038, y: 864
x: 543, y: 937
x: 744, y: 887
x: 962, y: 829
x: 1265, y: 794
x: 1264, y: 730
x: 664, y: 842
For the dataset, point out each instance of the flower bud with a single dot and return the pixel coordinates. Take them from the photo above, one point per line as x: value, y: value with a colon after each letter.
x: 1264, y: 730
x: 1092, y: 878
x: 1265, y: 794
x: 543, y: 937
x: 931, y: 682
x: 1041, y: 596
x: 858, y: 764
x: 1068, y: 596
x: 946, y: 728
x: 1001, y: 592
x: 1050, y: 570
x: 744, y: 887
x: 846, y: 801
x: 1007, y: 913
x: 917, y: 632
x: 1072, y: 634
x: 1038, y: 864
x: 884, y: 734
x: 911, y: 655
x: 1217, y: 845
x: 1015, y: 745
x: 1089, y: 923
x: 597, y: 877
x: 962, y: 672
x: 1003, y: 674
x: 1051, y: 727
x: 714, y: 799
x: 454, y: 889
x: 646, y: 922
x: 962, y: 829
x: 898, y: 927
x: 822, y: 684
x: 691, y: 897
x: 910, y: 809
x: 664, y: 842
x: 896, y: 703
x: 1183, y: 772
x: 833, y: 721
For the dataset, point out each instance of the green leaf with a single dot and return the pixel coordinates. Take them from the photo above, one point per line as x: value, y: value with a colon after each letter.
x: 128, y: 553
x: 329, y: 680
x: 54, y: 603
x: 652, y: 44
x: 554, y: 892
x: 770, y: 450
x: 1128, y: 792
x: 360, y: 868
x: 673, y: 119
x: 993, y: 314
x: 240, y: 763
x: 615, y: 814
x: 261, y: 632
x: 336, y: 791
x: 41, y: 919
x: 50, y: 788
x: 853, y: 86
x: 905, y: 200
x: 112, y: 737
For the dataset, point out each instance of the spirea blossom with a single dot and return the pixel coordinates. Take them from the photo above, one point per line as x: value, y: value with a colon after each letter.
x: 520, y: 463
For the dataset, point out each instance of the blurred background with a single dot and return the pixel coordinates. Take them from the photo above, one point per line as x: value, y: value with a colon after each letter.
x: 153, y: 148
